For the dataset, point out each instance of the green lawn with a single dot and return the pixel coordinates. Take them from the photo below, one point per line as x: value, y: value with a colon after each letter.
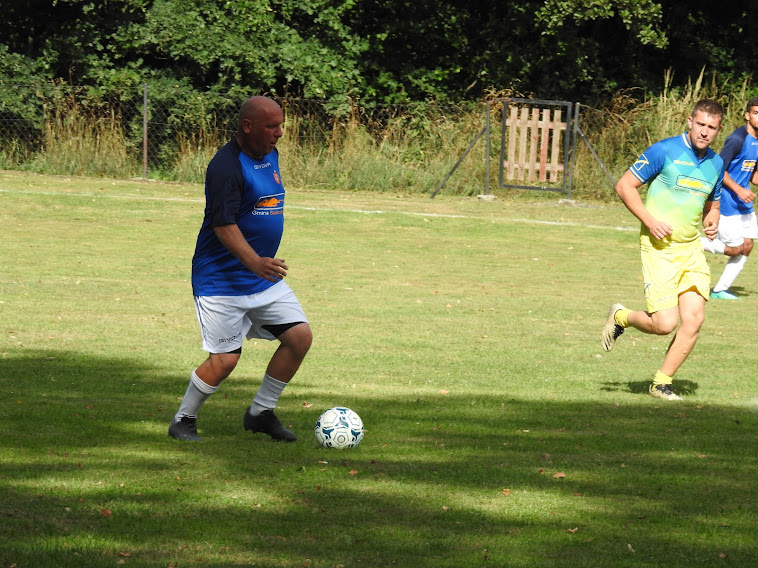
x: 465, y: 333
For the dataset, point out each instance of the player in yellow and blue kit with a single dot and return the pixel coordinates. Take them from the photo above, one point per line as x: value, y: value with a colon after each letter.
x: 685, y: 178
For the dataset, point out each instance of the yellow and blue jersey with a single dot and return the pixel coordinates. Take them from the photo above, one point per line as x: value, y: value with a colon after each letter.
x: 680, y: 184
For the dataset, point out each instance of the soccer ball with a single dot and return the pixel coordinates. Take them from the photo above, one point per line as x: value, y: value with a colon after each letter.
x: 339, y: 427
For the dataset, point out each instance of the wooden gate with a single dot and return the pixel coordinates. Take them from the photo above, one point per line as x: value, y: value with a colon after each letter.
x: 535, y: 144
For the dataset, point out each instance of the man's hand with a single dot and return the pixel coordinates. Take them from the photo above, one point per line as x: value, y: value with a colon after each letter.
x: 628, y: 190
x: 711, y: 229
x: 659, y: 229
x: 745, y: 195
x: 271, y: 269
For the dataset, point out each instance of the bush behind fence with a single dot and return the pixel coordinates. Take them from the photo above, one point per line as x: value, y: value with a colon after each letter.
x: 63, y: 129
x: 170, y: 135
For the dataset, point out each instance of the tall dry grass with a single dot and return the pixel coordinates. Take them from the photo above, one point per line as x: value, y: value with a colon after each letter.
x: 84, y: 140
x: 408, y: 150
x: 632, y: 121
x: 194, y: 151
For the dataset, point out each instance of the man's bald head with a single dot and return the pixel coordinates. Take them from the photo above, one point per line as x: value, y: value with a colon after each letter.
x: 260, y: 126
x: 254, y: 107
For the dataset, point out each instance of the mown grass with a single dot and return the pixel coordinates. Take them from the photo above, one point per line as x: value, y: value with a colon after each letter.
x: 466, y: 335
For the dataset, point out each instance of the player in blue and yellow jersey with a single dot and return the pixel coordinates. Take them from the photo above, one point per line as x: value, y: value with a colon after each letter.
x: 737, y: 227
x: 684, y: 177
x: 237, y: 280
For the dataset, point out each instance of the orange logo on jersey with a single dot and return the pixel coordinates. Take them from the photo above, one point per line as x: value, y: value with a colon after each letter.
x: 269, y: 202
x: 270, y: 205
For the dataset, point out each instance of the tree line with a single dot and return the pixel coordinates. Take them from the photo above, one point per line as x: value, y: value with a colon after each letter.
x: 384, y: 51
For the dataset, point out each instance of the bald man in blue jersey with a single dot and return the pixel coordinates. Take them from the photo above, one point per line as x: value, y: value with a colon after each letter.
x: 738, y: 227
x: 237, y: 280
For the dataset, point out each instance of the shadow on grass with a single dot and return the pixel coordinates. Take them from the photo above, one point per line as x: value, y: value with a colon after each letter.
x: 740, y: 292
x: 90, y: 478
x: 682, y: 387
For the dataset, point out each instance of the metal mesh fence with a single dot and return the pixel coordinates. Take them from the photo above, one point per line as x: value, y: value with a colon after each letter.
x: 76, y: 130
x: 171, y: 135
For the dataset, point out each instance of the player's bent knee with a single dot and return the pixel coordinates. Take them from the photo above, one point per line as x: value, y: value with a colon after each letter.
x: 733, y: 251
x: 666, y: 328
x: 298, y: 338
x: 664, y: 324
x: 693, y: 323
x: 224, y: 363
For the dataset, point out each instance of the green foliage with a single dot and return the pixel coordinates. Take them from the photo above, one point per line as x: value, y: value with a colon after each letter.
x: 393, y: 51
x: 643, y: 18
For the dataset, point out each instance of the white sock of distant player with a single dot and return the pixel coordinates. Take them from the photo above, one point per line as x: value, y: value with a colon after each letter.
x: 731, y: 271
x: 715, y: 246
x: 267, y: 395
x: 196, y: 395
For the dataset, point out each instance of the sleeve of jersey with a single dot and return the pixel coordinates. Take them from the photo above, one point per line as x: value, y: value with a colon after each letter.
x: 715, y: 195
x: 223, y: 192
x: 732, y: 146
x: 649, y: 164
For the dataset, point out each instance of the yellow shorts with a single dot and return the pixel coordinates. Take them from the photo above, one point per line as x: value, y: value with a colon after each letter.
x: 671, y: 271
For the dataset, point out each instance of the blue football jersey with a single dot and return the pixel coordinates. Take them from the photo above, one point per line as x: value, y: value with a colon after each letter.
x: 249, y: 193
x: 739, y: 153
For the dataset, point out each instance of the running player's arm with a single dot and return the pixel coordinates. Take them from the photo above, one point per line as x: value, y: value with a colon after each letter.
x: 745, y: 194
x: 754, y: 178
x: 271, y: 269
x: 711, y: 215
x: 712, y: 209
x: 628, y: 190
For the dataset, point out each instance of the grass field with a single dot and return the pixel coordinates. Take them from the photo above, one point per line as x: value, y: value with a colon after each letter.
x: 466, y: 335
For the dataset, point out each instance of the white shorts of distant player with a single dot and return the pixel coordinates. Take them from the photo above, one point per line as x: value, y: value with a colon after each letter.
x: 734, y: 229
x: 226, y: 320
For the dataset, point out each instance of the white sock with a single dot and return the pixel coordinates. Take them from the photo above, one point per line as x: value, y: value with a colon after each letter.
x: 267, y: 395
x: 731, y: 271
x: 715, y: 246
x: 196, y: 395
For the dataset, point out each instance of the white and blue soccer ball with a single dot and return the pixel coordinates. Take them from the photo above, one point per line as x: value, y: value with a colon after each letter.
x: 339, y: 427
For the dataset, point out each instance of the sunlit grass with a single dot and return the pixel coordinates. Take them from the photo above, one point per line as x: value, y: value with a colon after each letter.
x: 466, y: 335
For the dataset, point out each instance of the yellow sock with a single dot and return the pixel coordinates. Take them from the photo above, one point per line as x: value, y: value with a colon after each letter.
x: 622, y: 317
x: 661, y: 379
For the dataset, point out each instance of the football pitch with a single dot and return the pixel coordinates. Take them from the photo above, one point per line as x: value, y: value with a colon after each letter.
x: 464, y: 332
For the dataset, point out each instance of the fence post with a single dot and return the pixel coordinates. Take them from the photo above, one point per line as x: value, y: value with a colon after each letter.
x: 572, y: 160
x: 487, y: 155
x: 144, y: 131
x: 458, y: 163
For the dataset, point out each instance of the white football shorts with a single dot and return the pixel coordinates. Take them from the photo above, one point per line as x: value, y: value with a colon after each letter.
x: 226, y: 320
x: 734, y: 229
